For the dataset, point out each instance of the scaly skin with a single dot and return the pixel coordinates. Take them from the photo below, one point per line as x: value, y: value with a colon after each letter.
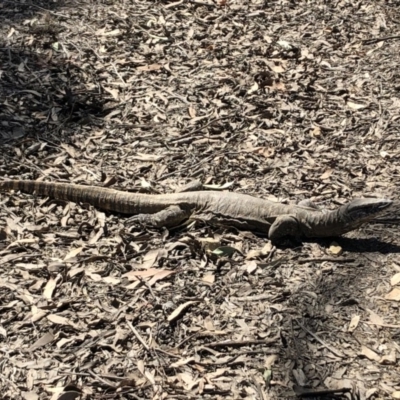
x: 218, y: 208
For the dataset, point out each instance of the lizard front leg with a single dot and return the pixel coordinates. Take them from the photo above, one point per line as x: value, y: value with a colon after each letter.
x: 169, y: 217
x: 284, y: 225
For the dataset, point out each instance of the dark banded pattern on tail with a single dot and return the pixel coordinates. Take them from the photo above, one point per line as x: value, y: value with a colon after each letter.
x: 100, y: 197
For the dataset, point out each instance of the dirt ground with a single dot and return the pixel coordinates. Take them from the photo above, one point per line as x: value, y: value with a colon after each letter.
x: 285, y: 100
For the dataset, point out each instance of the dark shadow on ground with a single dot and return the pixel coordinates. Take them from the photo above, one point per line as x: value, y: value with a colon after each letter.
x: 370, y: 245
x: 357, y: 245
x: 43, y: 97
x: 43, y: 92
x: 352, y: 245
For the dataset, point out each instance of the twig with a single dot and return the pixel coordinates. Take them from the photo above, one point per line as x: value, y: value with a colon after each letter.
x: 69, y: 373
x: 178, y: 3
x: 167, y: 353
x: 174, y: 95
x: 252, y: 298
x: 382, y: 325
x: 118, y: 74
x: 136, y: 333
x: 377, y: 40
x: 108, y: 384
x: 320, y: 260
x: 303, y: 392
x: 203, y: 3
x: 241, y: 343
x: 326, y: 345
x: 145, y: 283
x: 217, y: 362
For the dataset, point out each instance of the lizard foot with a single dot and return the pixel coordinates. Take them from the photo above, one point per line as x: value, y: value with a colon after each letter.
x: 284, y: 225
x: 169, y: 217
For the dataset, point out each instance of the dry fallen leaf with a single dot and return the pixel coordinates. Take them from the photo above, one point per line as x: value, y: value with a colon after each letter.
x: 370, y: 392
x: 393, y: 295
x: 140, y: 365
x: 114, y: 92
x: 251, y: 266
x: 316, y: 131
x: 375, y: 318
x: 395, y: 279
x: 175, y: 314
x: 353, y: 323
x: 254, y: 254
x: 161, y: 274
x: 149, y: 259
x: 57, y: 319
x: 210, y: 278
x: 192, y: 112
x: 111, y: 280
x: 389, y: 359
x: 115, y: 32
x: 210, y: 244
x: 355, y: 106
x: 278, y: 86
x: 73, y: 253
x: 276, y: 65
x: 150, y: 67
x: 365, y: 351
x: 181, y: 362
x: 49, y: 289
x: 267, y: 248
x: 335, y: 249
x: 45, y: 339
x: 224, y: 186
x: 326, y: 174
x: 147, y: 157
x: 209, y: 324
x: 267, y: 152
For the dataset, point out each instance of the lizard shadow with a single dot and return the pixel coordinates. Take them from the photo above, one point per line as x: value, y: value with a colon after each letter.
x: 353, y: 245
x: 368, y: 245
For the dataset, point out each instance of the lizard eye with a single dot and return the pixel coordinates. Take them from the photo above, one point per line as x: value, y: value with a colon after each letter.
x: 359, y: 214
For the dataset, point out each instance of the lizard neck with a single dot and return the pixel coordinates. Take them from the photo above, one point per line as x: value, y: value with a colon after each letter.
x: 325, y: 224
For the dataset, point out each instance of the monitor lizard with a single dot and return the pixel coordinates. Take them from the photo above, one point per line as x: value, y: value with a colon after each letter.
x: 218, y: 208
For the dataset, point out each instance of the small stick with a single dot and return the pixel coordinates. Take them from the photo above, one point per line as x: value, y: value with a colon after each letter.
x: 327, y: 346
x: 136, y: 333
x: 377, y: 40
x: 241, y: 343
x: 303, y: 392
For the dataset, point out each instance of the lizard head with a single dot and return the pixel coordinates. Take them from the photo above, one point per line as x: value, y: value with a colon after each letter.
x: 360, y: 211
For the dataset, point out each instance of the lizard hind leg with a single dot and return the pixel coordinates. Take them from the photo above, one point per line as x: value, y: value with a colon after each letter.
x: 284, y: 225
x: 171, y: 216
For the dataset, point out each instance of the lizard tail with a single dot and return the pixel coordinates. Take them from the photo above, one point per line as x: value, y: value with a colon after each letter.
x: 103, y: 198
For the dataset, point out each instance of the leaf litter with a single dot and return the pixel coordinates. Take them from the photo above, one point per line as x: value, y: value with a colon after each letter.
x: 281, y: 100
